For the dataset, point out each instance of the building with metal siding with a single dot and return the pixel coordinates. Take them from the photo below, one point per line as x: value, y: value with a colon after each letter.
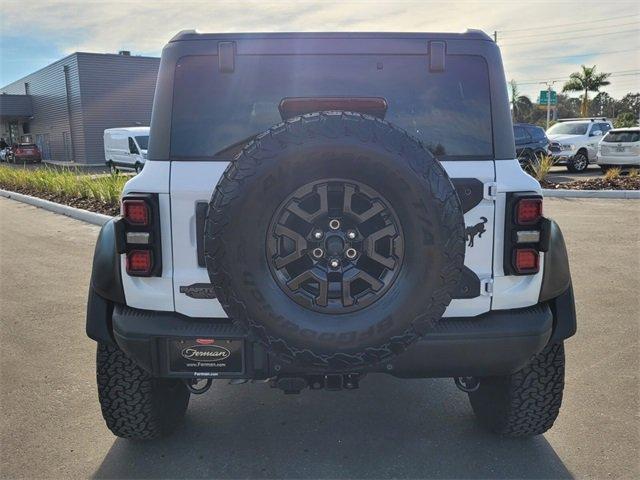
x: 65, y: 107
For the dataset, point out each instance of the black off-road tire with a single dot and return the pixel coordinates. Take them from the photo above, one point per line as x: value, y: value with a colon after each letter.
x: 134, y: 404
x: 527, y: 402
x: 341, y: 147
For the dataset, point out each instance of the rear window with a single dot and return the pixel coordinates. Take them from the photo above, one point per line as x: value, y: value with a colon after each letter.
x: 622, y: 137
x: 448, y: 111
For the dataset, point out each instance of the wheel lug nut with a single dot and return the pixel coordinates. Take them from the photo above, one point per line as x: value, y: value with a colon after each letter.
x: 317, y: 252
x: 317, y: 234
x: 335, y: 263
x: 334, y: 224
x: 351, y: 253
x: 351, y: 234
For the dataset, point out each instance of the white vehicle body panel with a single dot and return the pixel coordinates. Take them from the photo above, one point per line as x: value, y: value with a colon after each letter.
x: 512, y: 291
x: 182, y: 184
x: 117, y: 148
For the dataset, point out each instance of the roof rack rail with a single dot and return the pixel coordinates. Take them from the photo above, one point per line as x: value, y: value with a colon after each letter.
x: 591, y: 119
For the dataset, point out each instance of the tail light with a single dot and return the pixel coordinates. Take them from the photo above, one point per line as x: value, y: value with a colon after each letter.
x: 136, y: 212
x: 139, y: 262
x: 526, y: 260
x: 528, y: 211
x: 294, y: 106
x: 139, y: 235
x: 524, y: 233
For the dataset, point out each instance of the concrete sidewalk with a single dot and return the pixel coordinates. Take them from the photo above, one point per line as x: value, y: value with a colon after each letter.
x: 51, y: 424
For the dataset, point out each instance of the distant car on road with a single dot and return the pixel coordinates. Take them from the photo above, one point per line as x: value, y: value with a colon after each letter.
x: 531, y: 142
x: 574, y: 141
x: 126, y: 148
x: 620, y: 147
x: 23, y: 153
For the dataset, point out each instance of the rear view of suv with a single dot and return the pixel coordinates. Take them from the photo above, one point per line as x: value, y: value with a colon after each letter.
x: 574, y: 141
x: 620, y: 147
x: 317, y: 207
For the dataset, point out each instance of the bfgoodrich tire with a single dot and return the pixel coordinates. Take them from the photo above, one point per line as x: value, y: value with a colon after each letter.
x: 527, y: 402
x: 335, y: 239
x: 135, y: 405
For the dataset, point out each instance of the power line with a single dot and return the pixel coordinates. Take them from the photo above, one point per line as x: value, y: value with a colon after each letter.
x: 509, y: 37
x: 583, y: 54
x: 600, y: 20
x: 559, y: 79
x: 625, y: 32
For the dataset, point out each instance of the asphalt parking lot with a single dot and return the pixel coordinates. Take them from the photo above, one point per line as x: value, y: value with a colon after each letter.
x: 51, y: 424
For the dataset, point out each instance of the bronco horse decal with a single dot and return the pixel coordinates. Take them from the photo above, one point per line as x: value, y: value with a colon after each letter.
x: 477, y: 229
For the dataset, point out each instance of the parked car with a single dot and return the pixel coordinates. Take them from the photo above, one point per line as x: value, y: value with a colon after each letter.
x: 24, y: 153
x: 574, y: 141
x: 126, y: 148
x: 280, y: 230
x: 3, y: 153
x: 531, y: 143
x: 620, y: 147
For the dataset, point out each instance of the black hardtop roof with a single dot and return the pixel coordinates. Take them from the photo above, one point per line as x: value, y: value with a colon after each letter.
x: 470, y: 34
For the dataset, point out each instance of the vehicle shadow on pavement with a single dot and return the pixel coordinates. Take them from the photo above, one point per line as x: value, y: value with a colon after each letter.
x: 388, y: 428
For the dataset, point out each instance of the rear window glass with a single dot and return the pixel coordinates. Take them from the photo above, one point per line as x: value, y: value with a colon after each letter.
x: 448, y: 111
x: 622, y: 137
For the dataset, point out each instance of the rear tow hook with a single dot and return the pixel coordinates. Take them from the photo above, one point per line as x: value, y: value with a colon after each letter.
x: 467, y: 384
x: 192, y: 385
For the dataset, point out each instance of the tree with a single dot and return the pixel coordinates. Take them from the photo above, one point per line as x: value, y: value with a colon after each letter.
x: 520, y: 104
x: 625, y: 120
x: 586, y: 81
x: 629, y: 103
x: 603, y: 104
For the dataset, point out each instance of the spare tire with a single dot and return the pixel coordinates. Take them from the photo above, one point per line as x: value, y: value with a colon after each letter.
x: 335, y: 239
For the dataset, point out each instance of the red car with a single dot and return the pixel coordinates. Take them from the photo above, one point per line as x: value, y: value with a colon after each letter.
x: 23, y: 153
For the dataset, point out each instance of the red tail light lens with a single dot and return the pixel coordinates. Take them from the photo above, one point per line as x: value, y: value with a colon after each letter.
x: 527, y: 260
x: 529, y: 211
x: 136, y: 212
x: 139, y: 262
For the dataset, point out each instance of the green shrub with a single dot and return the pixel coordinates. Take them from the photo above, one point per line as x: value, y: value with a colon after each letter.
x: 64, y: 182
x: 540, y: 167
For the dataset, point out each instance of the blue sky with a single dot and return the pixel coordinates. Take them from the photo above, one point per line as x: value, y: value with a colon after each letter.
x: 539, y: 40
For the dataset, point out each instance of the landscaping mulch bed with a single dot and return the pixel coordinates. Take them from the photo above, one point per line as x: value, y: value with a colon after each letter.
x: 90, y: 204
x: 619, y: 183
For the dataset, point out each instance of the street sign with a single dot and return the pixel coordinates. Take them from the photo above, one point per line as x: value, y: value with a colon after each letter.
x: 542, y: 99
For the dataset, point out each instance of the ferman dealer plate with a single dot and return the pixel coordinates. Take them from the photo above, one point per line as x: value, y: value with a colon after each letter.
x: 206, y: 357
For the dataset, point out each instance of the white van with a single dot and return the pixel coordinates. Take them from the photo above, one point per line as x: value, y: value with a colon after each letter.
x: 126, y: 148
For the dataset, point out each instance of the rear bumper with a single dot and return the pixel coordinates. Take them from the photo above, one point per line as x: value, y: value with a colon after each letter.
x: 496, y: 343
x: 622, y: 160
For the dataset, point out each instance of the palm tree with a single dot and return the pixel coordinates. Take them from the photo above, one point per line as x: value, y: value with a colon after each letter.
x: 519, y: 103
x: 586, y: 81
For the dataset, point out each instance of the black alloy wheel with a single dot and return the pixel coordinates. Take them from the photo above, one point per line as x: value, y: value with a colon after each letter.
x: 335, y: 246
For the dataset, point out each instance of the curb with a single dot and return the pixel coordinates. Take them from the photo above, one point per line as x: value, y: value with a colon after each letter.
x: 624, y: 194
x: 77, y: 213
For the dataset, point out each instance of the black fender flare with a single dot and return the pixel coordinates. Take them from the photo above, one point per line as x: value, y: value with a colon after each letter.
x: 557, y: 288
x: 105, y: 289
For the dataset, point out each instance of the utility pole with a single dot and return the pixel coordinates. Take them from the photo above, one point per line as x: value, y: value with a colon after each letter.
x: 495, y: 36
x: 549, y: 85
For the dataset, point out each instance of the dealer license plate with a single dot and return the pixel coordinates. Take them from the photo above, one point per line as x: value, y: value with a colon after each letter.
x: 206, y: 357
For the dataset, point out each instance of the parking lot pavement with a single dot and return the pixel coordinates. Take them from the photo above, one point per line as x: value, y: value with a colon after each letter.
x: 51, y: 424
x: 560, y: 174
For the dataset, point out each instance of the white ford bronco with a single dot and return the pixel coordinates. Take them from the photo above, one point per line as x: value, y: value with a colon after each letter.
x: 318, y: 207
